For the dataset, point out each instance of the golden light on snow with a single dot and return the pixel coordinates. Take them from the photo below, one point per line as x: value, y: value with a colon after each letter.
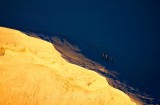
x: 32, y: 72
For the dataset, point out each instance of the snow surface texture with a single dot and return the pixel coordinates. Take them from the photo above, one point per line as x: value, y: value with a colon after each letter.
x: 33, y: 72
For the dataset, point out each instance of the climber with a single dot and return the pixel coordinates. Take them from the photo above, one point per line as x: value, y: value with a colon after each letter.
x: 105, y: 56
x: 108, y: 58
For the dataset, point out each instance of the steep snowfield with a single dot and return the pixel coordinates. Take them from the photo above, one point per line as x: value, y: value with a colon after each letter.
x: 32, y: 72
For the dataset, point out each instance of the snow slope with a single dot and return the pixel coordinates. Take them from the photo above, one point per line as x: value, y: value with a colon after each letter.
x: 33, y: 72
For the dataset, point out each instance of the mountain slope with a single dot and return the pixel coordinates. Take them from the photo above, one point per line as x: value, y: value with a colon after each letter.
x: 33, y: 72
